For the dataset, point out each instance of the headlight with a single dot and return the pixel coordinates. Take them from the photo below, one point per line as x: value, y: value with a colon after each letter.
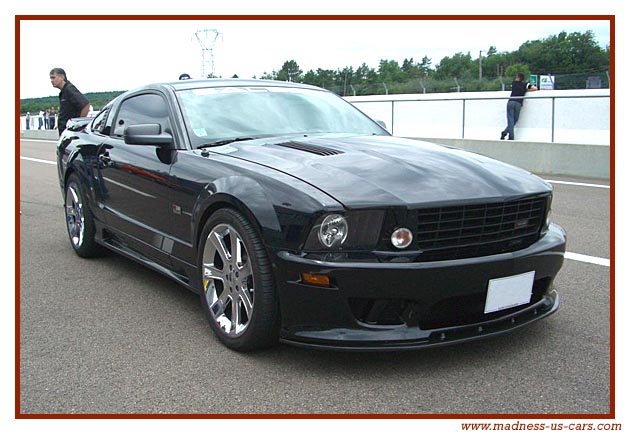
x: 333, y: 231
x: 352, y: 231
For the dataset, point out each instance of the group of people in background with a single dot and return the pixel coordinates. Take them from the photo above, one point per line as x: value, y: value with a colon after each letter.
x: 45, y: 120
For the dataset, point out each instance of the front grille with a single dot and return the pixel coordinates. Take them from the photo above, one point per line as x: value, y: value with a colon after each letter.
x: 479, y: 230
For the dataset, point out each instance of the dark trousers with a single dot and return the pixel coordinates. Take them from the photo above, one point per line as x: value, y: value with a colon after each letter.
x: 513, y: 112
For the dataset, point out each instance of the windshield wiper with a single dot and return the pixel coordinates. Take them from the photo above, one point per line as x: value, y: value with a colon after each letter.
x: 225, y: 142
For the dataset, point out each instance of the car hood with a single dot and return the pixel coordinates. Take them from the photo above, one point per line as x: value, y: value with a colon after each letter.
x: 383, y: 170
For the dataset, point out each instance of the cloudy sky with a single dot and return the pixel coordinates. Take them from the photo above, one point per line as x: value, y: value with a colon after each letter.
x: 102, y: 55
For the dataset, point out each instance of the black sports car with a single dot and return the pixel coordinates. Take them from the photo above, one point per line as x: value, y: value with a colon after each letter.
x: 299, y: 219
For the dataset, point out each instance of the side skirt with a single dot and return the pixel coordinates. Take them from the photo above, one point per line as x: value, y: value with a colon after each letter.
x: 114, y: 241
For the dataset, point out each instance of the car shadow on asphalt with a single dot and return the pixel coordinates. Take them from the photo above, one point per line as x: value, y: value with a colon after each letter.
x: 498, y: 349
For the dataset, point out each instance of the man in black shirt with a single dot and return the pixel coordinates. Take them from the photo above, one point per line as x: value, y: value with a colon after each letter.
x: 72, y: 103
x: 515, y: 103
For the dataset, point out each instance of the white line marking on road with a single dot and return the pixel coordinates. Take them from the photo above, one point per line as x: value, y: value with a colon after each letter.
x: 585, y: 258
x: 568, y: 255
x: 37, y: 160
x: 38, y: 140
x: 579, y: 184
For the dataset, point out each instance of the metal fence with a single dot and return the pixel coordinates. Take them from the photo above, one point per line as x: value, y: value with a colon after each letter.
x: 583, y: 80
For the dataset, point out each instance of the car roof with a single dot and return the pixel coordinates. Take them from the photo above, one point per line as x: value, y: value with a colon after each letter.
x: 223, y: 82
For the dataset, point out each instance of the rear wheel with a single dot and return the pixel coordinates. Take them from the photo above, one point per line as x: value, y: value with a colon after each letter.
x: 79, y: 220
x: 238, y: 291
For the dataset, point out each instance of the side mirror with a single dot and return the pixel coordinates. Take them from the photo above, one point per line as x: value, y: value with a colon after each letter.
x: 147, y: 134
x: 381, y: 123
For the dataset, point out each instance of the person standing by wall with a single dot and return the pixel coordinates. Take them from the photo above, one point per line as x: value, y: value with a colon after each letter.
x: 72, y: 103
x: 28, y: 120
x: 515, y: 103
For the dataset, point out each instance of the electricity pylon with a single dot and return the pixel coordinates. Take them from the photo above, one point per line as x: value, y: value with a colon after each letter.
x: 207, y: 38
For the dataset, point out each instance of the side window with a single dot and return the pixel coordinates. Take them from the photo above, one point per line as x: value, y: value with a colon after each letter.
x: 142, y: 109
x: 98, y: 124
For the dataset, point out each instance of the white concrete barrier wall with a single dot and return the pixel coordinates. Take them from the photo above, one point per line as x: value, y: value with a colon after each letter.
x: 559, y: 132
x: 568, y: 116
x: 561, y: 116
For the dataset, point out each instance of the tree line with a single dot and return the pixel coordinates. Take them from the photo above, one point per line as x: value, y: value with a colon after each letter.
x: 35, y: 105
x: 573, y: 58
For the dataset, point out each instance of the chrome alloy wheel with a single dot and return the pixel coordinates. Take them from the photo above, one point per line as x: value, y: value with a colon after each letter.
x: 228, y: 279
x: 74, y: 215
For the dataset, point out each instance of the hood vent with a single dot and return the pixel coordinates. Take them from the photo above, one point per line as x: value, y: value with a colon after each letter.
x: 317, y: 150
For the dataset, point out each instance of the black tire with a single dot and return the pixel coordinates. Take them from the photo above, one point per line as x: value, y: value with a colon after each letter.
x: 238, y: 291
x: 79, y: 220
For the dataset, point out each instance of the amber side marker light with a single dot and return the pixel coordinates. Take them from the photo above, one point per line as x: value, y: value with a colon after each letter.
x: 315, y: 279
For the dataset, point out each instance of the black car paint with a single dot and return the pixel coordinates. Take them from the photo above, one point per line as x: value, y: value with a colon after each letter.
x: 150, y: 203
x: 453, y: 284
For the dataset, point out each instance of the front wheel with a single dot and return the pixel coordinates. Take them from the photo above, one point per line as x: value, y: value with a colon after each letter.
x: 79, y: 220
x: 238, y: 292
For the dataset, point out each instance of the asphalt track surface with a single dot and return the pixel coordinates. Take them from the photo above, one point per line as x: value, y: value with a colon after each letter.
x: 108, y: 336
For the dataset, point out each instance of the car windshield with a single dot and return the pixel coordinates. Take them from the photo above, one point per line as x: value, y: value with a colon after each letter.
x: 214, y: 114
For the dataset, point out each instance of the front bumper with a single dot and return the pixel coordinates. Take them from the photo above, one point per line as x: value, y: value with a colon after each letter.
x: 394, y: 306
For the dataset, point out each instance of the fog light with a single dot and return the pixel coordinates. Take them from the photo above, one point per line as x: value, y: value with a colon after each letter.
x: 402, y: 238
x: 315, y: 279
x: 333, y: 231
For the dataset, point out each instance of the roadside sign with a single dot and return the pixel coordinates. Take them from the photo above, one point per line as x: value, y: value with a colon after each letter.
x: 547, y: 82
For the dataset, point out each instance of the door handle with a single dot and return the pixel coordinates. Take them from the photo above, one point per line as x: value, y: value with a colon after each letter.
x: 105, y: 159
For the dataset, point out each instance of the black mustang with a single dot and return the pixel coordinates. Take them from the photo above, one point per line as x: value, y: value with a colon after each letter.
x: 299, y: 219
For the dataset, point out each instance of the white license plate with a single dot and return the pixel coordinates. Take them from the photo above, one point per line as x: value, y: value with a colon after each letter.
x: 509, y: 291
